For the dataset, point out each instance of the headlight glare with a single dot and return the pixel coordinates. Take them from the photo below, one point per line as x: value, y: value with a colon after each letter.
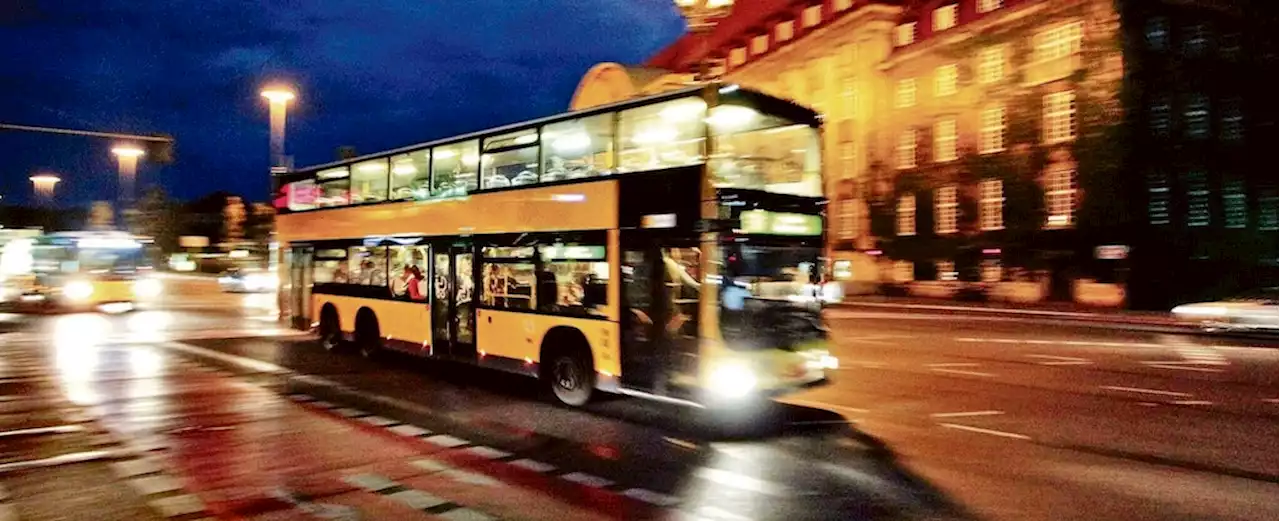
x: 147, y: 288
x: 732, y: 380
x: 78, y: 290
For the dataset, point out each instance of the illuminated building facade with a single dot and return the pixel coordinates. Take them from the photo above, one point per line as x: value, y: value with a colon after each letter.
x: 1103, y: 151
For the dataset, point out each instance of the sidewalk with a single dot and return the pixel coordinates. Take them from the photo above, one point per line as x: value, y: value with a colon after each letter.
x: 1056, y: 310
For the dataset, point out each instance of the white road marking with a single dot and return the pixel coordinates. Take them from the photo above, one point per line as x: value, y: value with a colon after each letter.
x: 1061, y: 360
x: 824, y: 405
x: 464, y: 476
x: 1192, y: 402
x: 980, y: 430
x: 536, y: 466
x: 417, y: 499
x: 737, y: 480
x: 370, y: 482
x: 651, y: 497
x: 950, y: 368
x: 445, y: 440
x: 152, y: 485
x: 430, y: 465
x: 411, y: 431
x: 1181, y: 366
x: 488, y: 452
x: 589, y: 480
x: 177, y: 506
x: 347, y: 412
x: 964, y: 414
x: 1145, y: 391
x: 378, y: 421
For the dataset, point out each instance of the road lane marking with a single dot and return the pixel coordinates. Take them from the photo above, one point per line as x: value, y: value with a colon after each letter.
x: 411, y: 431
x: 980, y: 430
x: 589, y: 480
x: 370, y: 482
x: 1271, y: 400
x: 178, y: 506
x: 822, y: 405
x: 379, y: 421
x: 1145, y: 391
x: 488, y: 452
x: 53, y: 429
x: 739, y: 481
x: 533, y: 465
x: 445, y: 440
x: 1061, y: 360
x: 347, y: 412
x: 680, y: 443
x: 417, y: 499
x: 651, y: 497
x: 1192, y: 402
x: 950, y: 368
x: 1181, y: 366
x: 965, y: 414
x: 61, y: 459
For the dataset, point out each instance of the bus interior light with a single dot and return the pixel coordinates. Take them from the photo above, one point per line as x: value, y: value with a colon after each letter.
x: 404, y: 169
x: 568, y: 198
x: 574, y: 142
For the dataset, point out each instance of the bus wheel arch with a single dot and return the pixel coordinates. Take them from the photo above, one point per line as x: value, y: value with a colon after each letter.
x: 566, y: 365
x: 368, y: 334
x: 330, y: 328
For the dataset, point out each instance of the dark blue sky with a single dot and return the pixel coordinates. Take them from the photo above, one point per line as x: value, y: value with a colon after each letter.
x: 371, y: 77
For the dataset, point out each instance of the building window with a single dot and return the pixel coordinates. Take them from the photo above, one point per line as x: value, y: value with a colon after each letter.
x: 946, y: 218
x: 760, y: 44
x: 849, y: 97
x: 1229, y: 46
x: 1157, y: 199
x: 904, y: 271
x: 1160, y: 118
x: 904, y: 34
x: 944, y: 140
x: 945, y: 17
x: 1235, y: 209
x: 991, y: 64
x: 906, y: 95
x: 907, y: 215
x: 1232, y: 120
x: 946, y: 270
x: 1157, y: 34
x: 848, y: 219
x: 986, y: 6
x: 1060, y: 194
x: 992, y: 134
x: 1058, y: 42
x: 991, y: 205
x: 1267, y: 212
x: 907, y: 149
x: 1059, y: 117
x: 1197, y: 198
x: 812, y: 15
x: 945, y: 80
x: 1196, y: 116
x: 991, y: 270
x: 737, y: 56
x: 785, y: 30
x: 848, y: 159
x: 1195, y: 39
x: 843, y: 5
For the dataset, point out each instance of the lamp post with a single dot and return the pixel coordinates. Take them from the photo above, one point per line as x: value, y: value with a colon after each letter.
x: 702, y: 17
x: 127, y: 155
x: 278, y: 99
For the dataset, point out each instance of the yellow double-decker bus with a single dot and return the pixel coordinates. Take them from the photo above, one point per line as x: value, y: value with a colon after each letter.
x: 668, y: 247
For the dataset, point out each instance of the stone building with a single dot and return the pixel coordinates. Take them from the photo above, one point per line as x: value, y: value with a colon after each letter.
x: 1102, y: 151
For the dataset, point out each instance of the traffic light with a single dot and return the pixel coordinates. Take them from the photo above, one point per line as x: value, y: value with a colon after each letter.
x: 160, y: 152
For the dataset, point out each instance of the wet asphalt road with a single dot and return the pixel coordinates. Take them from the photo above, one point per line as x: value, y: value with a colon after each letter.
x: 929, y: 417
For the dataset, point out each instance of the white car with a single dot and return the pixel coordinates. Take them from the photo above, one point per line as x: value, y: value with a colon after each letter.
x: 1253, y: 311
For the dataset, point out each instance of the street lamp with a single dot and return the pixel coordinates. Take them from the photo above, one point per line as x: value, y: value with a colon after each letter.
x: 278, y: 99
x: 44, y: 184
x: 702, y: 17
x: 127, y: 155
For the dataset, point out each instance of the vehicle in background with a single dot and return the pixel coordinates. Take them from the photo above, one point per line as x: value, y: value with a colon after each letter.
x: 182, y: 262
x: 246, y: 280
x: 109, y: 271
x: 1257, y: 310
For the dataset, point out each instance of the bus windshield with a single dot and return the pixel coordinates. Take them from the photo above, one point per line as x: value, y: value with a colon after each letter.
x: 67, y: 260
x: 771, y: 296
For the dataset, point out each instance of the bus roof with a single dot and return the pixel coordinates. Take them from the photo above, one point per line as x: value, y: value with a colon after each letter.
x: 620, y: 105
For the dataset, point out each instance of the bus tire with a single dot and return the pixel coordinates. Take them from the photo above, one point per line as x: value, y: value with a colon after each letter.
x: 330, y: 330
x: 567, y: 367
x: 368, y: 334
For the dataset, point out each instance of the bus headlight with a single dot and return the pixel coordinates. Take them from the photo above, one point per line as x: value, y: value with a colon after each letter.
x: 732, y: 380
x: 78, y: 290
x: 147, y: 288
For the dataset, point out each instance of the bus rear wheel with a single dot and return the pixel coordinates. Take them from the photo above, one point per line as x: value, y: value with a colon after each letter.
x: 330, y: 333
x: 571, y: 378
x: 368, y: 336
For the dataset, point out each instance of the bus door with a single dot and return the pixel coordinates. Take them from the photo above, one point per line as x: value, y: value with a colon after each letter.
x: 453, y: 315
x: 659, y: 319
x: 297, y: 293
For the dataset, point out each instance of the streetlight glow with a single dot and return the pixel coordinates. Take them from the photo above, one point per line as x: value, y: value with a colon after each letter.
x: 278, y: 95
x: 127, y: 151
x: 44, y: 184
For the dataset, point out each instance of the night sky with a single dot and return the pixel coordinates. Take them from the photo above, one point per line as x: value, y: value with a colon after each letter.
x: 374, y: 78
